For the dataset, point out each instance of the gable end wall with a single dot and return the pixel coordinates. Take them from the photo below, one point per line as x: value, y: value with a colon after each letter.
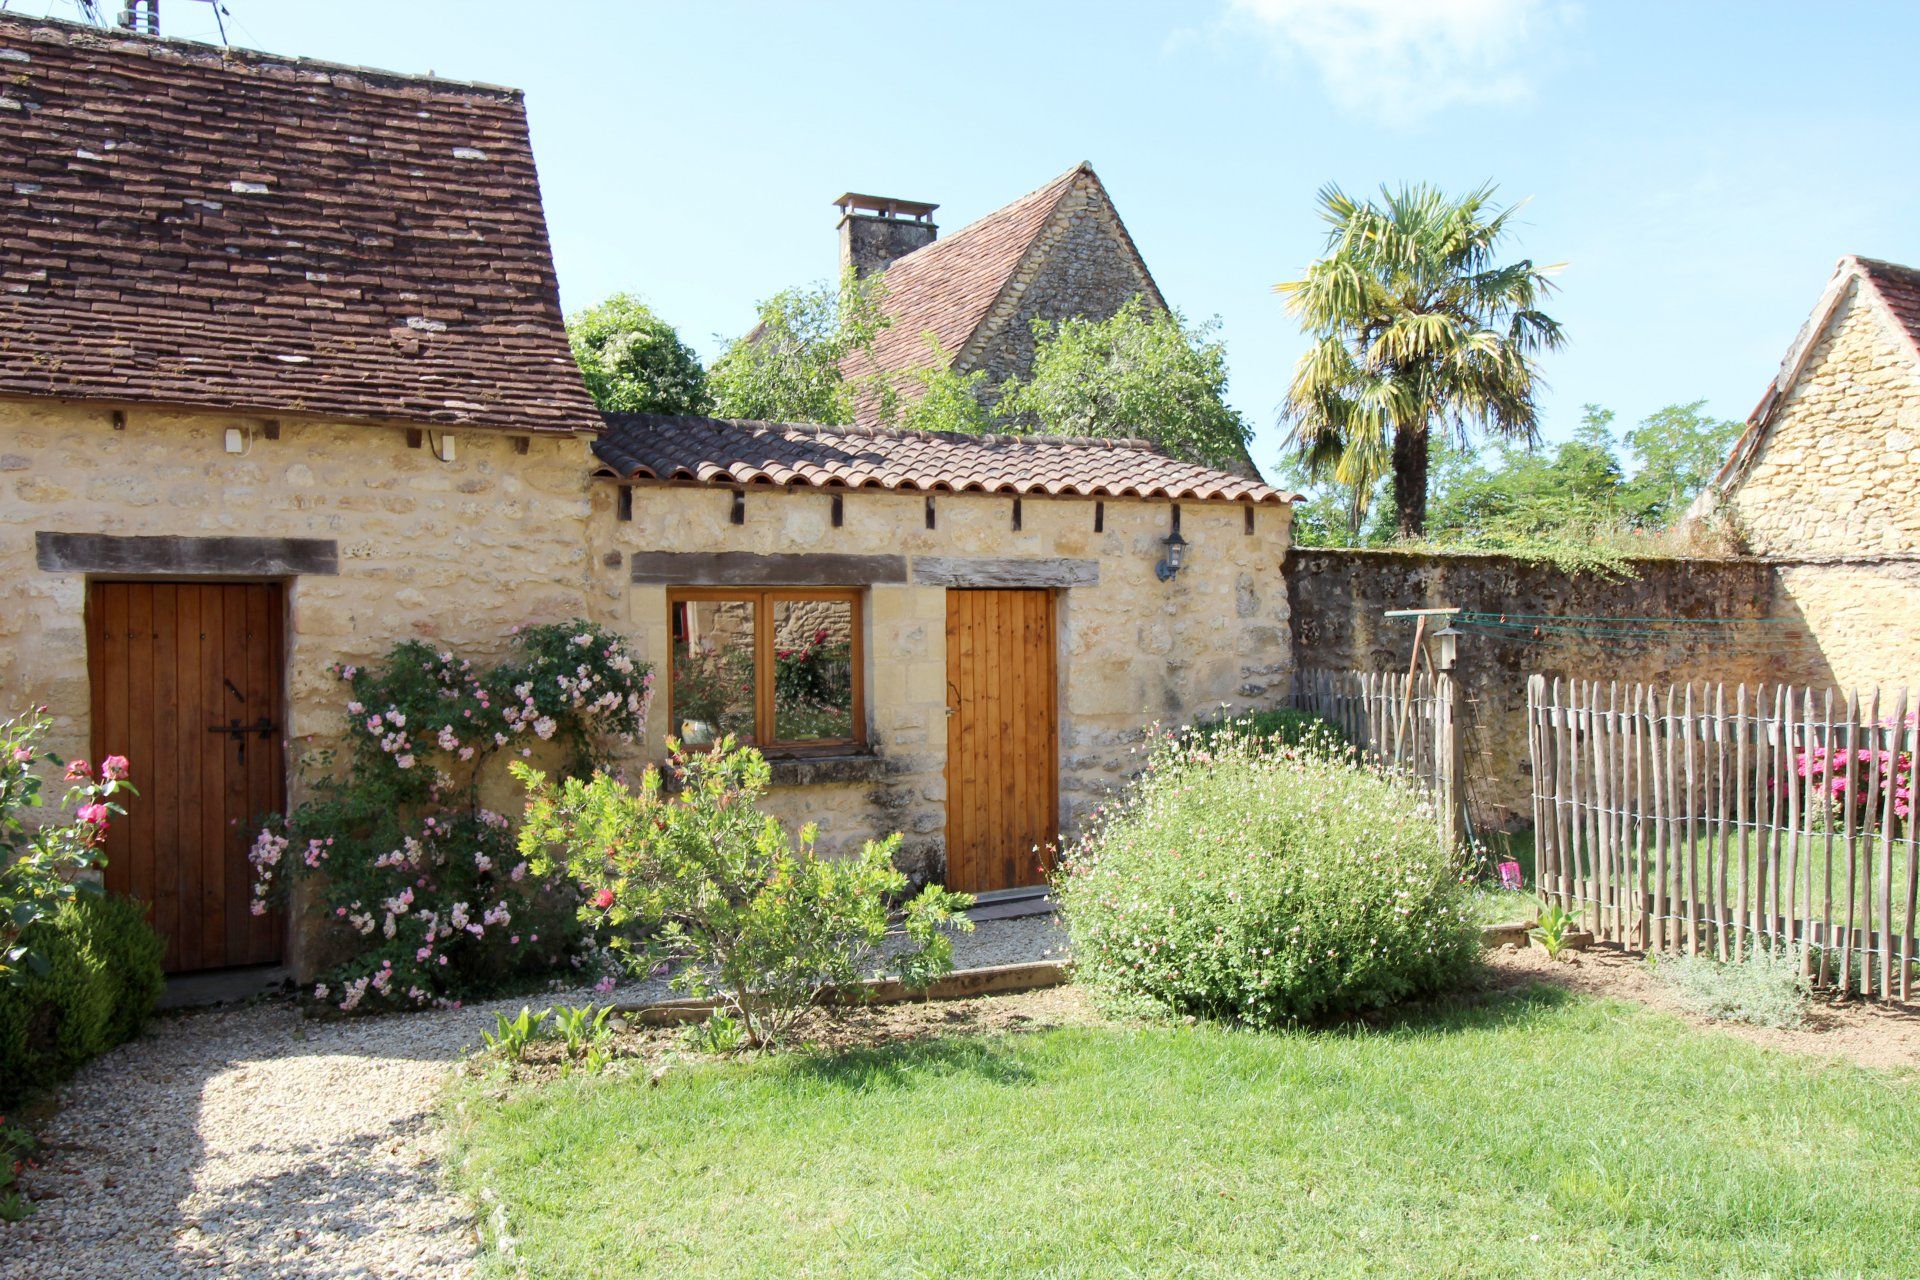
x: 1833, y: 475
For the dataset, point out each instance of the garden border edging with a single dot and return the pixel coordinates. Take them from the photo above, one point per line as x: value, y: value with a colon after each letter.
x: 961, y: 984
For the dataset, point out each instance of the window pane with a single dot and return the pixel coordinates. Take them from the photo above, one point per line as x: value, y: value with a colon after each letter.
x: 712, y: 670
x: 812, y: 670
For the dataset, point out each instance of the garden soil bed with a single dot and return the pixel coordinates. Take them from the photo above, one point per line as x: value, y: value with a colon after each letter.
x: 658, y: 1048
x: 1866, y: 1032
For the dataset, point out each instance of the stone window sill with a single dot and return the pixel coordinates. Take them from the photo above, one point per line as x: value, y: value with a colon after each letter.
x: 815, y: 771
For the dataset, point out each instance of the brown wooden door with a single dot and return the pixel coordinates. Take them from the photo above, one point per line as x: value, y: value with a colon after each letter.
x: 1003, y: 764
x: 187, y: 684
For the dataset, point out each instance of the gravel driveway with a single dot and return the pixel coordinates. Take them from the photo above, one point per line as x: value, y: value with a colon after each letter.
x: 252, y: 1142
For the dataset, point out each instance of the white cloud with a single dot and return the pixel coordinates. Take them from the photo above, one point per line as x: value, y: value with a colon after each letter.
x: 1403, y: 60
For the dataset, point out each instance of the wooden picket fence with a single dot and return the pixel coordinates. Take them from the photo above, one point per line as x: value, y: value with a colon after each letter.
x: 1406, y: 724
x: 1699, y: 817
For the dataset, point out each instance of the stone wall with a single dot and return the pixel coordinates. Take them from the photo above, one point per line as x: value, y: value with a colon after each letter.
x: 1339, y: 597
x: 1131, y: 650
x: 457, y: 552
x: 1083, y: 266
x: 1833, y: 476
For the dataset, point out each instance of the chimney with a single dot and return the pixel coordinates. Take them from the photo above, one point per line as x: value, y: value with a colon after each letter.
x: 874, y: 230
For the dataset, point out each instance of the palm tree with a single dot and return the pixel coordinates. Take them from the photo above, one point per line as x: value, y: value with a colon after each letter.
x: 1415, y: 327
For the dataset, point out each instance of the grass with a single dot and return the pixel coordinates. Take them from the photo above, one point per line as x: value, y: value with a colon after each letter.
x: 1535, y: 1135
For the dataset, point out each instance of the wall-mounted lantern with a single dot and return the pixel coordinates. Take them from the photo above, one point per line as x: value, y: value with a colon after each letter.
x: 1446, y: 647
x: 1176, y: 556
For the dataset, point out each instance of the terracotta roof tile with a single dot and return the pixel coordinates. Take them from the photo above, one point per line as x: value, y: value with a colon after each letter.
x: 723, y: 451
x: 949, y: 287
x: 186, y: 225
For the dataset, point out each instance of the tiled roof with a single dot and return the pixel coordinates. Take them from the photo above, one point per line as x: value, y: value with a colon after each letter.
x: 948, y: 287
x: 721, y: 451
x: 186, y: 225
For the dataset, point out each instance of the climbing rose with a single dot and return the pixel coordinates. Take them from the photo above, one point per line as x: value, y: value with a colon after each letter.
x: 113, y: 768
x: 95, y: 814
x: 78, y: 771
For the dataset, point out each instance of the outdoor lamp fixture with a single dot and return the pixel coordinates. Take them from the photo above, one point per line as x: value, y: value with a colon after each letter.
x: 1176, y: 556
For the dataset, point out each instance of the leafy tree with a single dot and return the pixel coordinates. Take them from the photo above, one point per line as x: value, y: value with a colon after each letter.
x: 1141, y: 372
x: 1510, y: 497
x: 1417, y: 329
x: 788, y: 367
x: 949, y: 400
x: 634, y: 362
x: 1679, y: 448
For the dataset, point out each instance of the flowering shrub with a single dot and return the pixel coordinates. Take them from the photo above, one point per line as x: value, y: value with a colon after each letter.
x: 424, y: 887
x: 1264, y: 884
x: 1846, y: 774
x: 763, y: 922
x: 39, y: 862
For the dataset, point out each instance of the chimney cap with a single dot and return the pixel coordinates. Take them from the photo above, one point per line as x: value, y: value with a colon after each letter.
x: 885, y: 206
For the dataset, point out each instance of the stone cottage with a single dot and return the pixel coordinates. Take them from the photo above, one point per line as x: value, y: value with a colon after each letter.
x: 1822, y: 481
x: 284, y: 381
x: 1015, y: 609
x: 1056, y: 252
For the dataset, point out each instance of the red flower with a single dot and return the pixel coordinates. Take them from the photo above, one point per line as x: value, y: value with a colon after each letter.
x: 603, y: 899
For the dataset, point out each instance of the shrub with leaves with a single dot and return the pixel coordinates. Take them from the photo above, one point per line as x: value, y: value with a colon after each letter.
x: 41, y: 855
x: 424, y: 888
x: 1767, y: 987
x: 707, y: 881
x: 1264, y: 885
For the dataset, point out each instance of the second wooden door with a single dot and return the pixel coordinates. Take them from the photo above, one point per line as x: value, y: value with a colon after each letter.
x: 1002, y: 739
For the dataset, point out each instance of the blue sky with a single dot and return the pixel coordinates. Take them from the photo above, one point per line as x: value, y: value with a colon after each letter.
x: 1697, y: 166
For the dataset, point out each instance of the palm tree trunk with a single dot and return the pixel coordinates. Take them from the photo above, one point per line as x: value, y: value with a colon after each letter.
x: 1410, y: 481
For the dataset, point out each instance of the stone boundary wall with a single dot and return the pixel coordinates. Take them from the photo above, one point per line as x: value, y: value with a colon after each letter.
x: 1337, y: 597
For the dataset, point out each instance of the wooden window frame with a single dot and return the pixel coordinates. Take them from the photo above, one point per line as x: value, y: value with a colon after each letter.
x: 763, y: 600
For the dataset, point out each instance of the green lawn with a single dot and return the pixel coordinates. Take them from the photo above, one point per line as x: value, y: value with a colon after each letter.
x: 1539, y: 1135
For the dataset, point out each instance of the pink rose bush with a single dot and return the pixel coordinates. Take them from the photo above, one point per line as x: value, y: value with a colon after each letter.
x: 43, y: 856
x: 1845, y: 775
x: 426, y: 888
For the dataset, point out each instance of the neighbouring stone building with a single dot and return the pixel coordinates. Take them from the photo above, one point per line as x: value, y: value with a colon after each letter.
x: 284, y: 382
x: 1823, y: 481
x: 1054, y: 253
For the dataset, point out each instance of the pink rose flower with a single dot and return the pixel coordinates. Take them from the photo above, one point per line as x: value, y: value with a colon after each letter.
x: 78, y: 771
x: 96, y: 814
x: 114, y: 768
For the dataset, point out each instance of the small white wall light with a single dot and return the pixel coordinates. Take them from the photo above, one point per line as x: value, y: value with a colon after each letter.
x: 236, y: 440
x: 443, y: 447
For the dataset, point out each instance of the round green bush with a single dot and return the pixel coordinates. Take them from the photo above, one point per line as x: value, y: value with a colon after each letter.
x: 103, y: 976
x: 1265, y: 885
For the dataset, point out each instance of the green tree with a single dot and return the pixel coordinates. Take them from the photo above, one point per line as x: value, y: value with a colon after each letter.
x: 1679, y: 448
x: 634, y: 362
x: 948, y: 399
x: 1417, y: 329
x: 1141, y: 372
x: 788, y: 367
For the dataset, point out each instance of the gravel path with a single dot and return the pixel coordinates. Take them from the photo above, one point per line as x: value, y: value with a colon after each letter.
x: 251, y: 1142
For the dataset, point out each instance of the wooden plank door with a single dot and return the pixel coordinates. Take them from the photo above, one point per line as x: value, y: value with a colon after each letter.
x: 1003, y: 762
x: 187, y: 681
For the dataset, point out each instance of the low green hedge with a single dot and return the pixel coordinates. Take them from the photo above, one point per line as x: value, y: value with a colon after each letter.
x: 102, y: 979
